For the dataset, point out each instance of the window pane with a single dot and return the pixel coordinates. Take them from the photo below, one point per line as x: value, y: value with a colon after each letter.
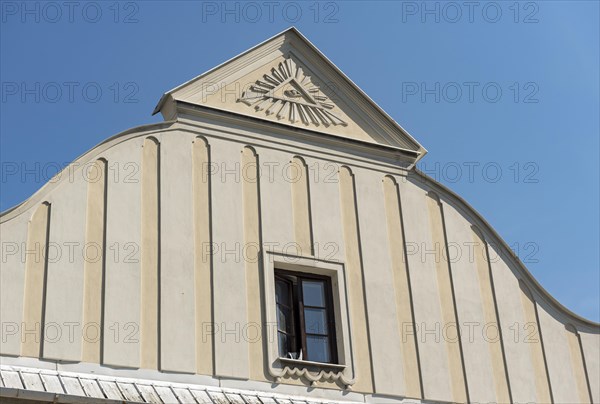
x: 315, y: 321
x: 314, y: 293
x: 318, y: 348
x: 283, y: 345
x: 282, y: 292
x: 284, y: 320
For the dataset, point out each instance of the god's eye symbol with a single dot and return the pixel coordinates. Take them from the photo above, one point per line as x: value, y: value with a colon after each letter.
x: 292, y: 93
x: 288, y: 94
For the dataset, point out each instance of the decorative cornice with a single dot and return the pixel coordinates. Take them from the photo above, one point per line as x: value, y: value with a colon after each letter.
x: 382, y: 154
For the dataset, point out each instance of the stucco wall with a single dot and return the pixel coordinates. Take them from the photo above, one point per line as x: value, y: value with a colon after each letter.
x: 155, y: 237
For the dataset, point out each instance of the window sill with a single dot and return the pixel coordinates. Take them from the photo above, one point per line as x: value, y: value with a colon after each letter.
x: 332, y: 372
x: 303, y: 363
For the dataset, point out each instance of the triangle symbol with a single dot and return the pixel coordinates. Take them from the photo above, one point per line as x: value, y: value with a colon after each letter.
x: 289, y: 94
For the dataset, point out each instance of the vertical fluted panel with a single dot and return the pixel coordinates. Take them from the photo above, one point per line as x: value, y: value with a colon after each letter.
x: 35, y: 282
x: 64, y: 276
x: 122, y: 285
x: 13, y: 236
x: 423, y: 268
x: 297, y: 175
x: 356, y: 293
x: 255, y: 332
x: 412, y: 371
x: 590, y: 344
x: 388, y: 369
x: 542, y: 382
x: 149, y: 277
x: 176, y: 260
x: 93, y: 266
x: 577, y: 361
x: 229, y: 273
x: 447, y: 301
x: 496, y: 347
x: 519, y: 363
x: 202, y: 256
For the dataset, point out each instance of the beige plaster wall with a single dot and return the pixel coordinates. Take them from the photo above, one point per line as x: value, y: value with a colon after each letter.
x: 180, y: 215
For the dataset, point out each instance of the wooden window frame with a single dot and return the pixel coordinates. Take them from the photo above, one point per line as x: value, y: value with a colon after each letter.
x: 298, y: 310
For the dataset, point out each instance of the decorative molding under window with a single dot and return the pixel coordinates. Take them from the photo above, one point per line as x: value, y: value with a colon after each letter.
x: 282, y: 368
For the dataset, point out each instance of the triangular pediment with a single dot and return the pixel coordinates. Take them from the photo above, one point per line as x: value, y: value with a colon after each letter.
x: 286, y: 80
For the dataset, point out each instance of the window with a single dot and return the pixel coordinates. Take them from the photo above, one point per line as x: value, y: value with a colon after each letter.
x: 305, y: 320
x: 306, y: 301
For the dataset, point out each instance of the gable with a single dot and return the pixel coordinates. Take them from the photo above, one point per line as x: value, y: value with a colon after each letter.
x: 286, y: 80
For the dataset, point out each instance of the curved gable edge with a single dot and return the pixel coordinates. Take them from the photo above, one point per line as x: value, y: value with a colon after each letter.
x: 492, y: 236
x: 88, y: 156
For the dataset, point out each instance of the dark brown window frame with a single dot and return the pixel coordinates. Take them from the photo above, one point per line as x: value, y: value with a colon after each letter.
x: 298, y: 311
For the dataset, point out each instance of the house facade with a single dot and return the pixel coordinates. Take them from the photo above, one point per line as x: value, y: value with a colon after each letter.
x: 272, y: 242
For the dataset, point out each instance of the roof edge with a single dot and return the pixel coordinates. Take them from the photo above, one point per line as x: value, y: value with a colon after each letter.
x: 529, y: 277
x: 135, y: 129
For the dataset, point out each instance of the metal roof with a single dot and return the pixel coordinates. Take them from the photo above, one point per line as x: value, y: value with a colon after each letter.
x: 63, y: 387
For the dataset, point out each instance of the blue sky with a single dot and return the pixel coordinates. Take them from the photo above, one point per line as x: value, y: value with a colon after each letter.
x: 504, y: 95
